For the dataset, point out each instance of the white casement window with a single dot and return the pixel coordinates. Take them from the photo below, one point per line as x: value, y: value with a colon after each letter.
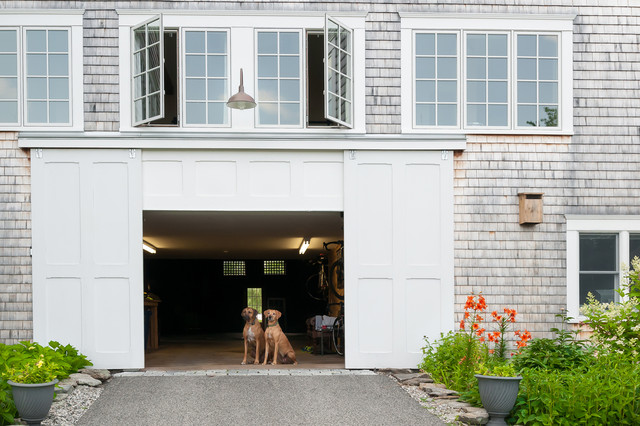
x: 206, y: 77
x: 279, y: 71
x: 538, y: 82
x: 148, y: 71
x: 597, y: 249
x: 495, y: 74
x: 45, y: 69
x: 436, y: 85
x: 487, y: 79
x: 338, y: 72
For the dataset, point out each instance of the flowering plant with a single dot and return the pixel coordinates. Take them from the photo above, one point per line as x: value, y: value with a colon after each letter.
x: 39, y: 370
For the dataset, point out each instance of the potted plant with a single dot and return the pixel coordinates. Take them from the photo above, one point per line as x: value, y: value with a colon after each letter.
x: 498, y: 386
x: 32, y: 381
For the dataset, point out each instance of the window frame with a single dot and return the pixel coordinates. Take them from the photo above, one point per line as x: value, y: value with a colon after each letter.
x: 348, y: 76
x: 463, y: 24
x: 146, y: 97
x: 20, y: 76
x: 182, y: 55
x: 623, y: 226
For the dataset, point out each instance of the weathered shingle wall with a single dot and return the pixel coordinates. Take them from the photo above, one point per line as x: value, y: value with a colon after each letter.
x: 15, y: 241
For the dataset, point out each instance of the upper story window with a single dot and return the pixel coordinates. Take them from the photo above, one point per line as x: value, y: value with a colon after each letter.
x: 300, y: 70
x: 43, y: 96
x: 486, y: 73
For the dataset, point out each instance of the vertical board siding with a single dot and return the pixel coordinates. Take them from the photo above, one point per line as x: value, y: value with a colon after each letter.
x: 592, y: 172
x: 15, y: 241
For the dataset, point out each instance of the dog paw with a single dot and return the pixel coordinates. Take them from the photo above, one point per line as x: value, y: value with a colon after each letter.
x: 243, y: 363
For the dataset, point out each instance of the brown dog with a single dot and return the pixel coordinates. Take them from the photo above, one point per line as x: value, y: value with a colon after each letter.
x: 277, y: 341
x: 253, y: 335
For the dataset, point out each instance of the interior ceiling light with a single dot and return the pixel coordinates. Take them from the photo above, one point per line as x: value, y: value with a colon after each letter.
x: 148, y: 247
x: 241, y: 100
x: 305, y: 245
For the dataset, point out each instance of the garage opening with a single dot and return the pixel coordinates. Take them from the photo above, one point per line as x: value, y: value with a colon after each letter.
x: 208, y: 266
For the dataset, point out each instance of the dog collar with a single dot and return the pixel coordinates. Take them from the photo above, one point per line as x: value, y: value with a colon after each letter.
x: 272, y: 325
x: 253, y: 323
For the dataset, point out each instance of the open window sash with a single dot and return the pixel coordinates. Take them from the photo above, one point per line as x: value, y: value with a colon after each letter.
x: 338, y: 72
x: 147, y: 71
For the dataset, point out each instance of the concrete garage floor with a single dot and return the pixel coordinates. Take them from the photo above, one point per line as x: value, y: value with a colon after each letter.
x: 225, y: 351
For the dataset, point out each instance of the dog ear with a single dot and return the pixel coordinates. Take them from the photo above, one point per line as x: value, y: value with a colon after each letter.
x: 255, y: 313
x: 278, y: 314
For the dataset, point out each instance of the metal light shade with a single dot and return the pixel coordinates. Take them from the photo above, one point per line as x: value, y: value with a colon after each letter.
x: 241, y: 100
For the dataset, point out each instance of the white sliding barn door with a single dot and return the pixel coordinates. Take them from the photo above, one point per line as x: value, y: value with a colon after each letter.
x: 87, y: 254
x: 398, y: 222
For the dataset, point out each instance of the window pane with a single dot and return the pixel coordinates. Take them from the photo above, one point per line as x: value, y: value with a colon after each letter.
x: 139, y: 62
x: 527, y: 115
x: 634, y: 247
x: 498, y: 91
x: 59, y: 112
x: 425, y: 115
x: 425, y: 67
x: 425, y: 91
x: 289, y: 66
x: 195, y: 66
x: 447, y: 115
x: 447, y: 68
x: 216, y: 66
x: 548, y: 69
x: 59, y: 65
x: 447, y: 91
x: 476, y: 68
x: 290, y: 114
x: 425, y: 44
x: 476, y: 115
x: 153, y: 55
x: 59, y: 88
x: 216, y: 42
x: 8, y: 112
x: 8, y: 41
x: 267, y: 66
x: 476, y: 91
x: 447, y: 44
x: 498, y: 45
x: 289, y: 44
x: 196, y: 112
x: 196, y: 89
x: 527, y: 69
x: 289, y: 90
x: 8, y: 88
x: 36, y: 41
x: 598, y: 252
x: 526, y: 45
x: 154, y: 105
x: 476, y: 44
x: 548, y: 115
x: 217, y: 90
x: 140, y: 86
x: 333, y: 105
x: 602, y: 286
x: 527, y: 92
x: 194, y: 41
x: 139, y: 38
x: 217, y: 113
x: 58, y: 41
x: 36, y: 88
x: 548, y: 92
x: 37, y: 112
x: 268, y: 113
x: 9, y: 64
x: 267, y: 42
x: 154, y: 80
x: 36, y: 64
x: 498, y: 115
x: 345, y: 40
x: 548, y: 46
x: 498, y: 68
x: 267, y: 90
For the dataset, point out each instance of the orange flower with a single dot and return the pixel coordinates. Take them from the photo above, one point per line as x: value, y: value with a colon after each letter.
x: 462, y: 325
x: 491, y: 351
x: 494, y: 314
x: 481, y: 339
x: 480, y: 331
x: 475, y: 326
x: 478, y: 318
x: 482, y: 304
x: 466, y: 315
x: 470, y: 303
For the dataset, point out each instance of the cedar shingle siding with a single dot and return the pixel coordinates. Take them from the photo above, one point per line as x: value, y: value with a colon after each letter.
x: 593, y: 172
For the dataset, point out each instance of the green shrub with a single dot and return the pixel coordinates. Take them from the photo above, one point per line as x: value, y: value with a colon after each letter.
x: 444, y: 360
x: 606, y: 391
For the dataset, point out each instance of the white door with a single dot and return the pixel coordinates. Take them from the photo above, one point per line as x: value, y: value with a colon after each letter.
x: 87, y: 254
x: 398, y: 222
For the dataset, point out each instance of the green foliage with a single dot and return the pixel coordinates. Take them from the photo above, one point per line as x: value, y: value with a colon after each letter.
x: 499, y: 369
x: 445, y: 358
x: 607, y: 391
x: 563, y: 352
x: 28, y: 362
x: 616, y: 326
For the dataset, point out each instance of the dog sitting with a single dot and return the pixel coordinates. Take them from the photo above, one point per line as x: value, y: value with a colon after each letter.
x: 253, y: 335
x: 277, y: 342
